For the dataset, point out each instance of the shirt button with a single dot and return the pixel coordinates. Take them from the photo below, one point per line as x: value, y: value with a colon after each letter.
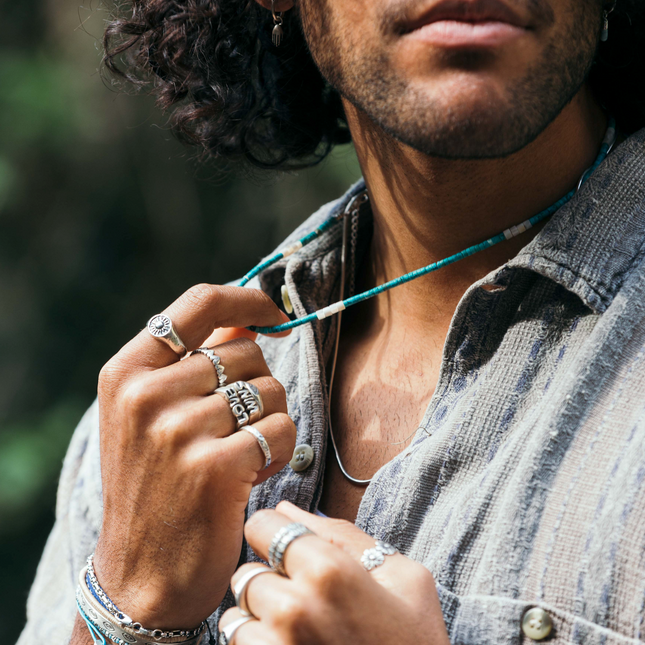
x: 302, y: 458
x: 537, y: 624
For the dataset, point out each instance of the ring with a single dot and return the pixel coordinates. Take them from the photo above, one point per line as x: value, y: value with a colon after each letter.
x: 230, y: 393
x: 252, y: 400
x: 239, y: 591
x: 216, y: 361
x: 281, y: 542
x: 375, y: 556
x: 226, y: 635
x: 262, y: 443
x: 160, y: 326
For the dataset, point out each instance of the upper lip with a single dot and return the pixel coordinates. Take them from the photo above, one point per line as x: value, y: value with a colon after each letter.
x: 467, y: 11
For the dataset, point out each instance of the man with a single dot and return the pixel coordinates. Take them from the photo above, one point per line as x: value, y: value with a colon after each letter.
x: 496, y: 405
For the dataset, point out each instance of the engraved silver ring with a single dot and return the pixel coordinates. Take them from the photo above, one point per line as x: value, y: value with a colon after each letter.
x: 231, y: 394
x: 160, y: 327
x: 252, y: 400
x: 262, y: 442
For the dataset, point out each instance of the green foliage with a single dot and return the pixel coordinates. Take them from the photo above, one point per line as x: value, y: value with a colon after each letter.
x: 31, y: 455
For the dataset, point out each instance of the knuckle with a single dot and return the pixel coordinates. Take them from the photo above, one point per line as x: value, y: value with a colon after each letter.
x: 137, y: 397
x: 200, y: 295
x: 274, y: 389
x: 292, y: 610
x: 327, y: 575
x: 248, y: 347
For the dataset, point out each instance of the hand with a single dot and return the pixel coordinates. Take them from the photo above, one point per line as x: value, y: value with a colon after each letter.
x: 328, y: 597
x: 176, y: 477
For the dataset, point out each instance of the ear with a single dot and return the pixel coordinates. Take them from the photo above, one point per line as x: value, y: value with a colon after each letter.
x: 280, y: 5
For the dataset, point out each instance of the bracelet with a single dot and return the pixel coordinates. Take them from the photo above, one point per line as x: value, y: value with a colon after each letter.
x: 95, y: 612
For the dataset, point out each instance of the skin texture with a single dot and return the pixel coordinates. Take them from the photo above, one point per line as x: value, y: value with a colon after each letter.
x: 455, y: 145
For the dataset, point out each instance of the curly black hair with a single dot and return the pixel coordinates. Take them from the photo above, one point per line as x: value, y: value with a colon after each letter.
x: 235, y: 96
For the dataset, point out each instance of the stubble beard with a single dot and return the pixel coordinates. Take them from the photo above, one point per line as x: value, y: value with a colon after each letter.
x: 493, y: 126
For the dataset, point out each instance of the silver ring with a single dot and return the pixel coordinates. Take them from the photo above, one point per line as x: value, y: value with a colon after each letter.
x: 227, y: 634
x: 252, y: 400
x: 375, y: 556
x: 262, y: 442
x: 239, y: 591
x: 231, y: 394
x: 281, y: 542
x: 160, y: 326
x: 216, y: 361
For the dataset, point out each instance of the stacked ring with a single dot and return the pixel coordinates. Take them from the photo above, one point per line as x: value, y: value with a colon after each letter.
x: 216, y: 361
x: 160, y: 326
x: 281, y: 542
x: 245, y: 401
x: 262, y: 442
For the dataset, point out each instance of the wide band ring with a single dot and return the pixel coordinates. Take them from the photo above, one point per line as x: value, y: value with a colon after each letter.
x: 216, y: 361
x: 375, y: 556
x: 160, y: 327
x: 262, y: 442
x: 245, y: 401
x: 230, y: 393
x: 239, y: 590
x: 252, y: 400
x: 281, y: 542
x: 227, y: 634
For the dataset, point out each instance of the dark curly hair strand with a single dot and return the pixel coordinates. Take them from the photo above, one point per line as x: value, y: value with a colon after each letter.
x: 236, y: 96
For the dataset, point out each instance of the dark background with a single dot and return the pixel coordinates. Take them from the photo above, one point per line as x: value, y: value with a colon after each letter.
x: 104, y: 220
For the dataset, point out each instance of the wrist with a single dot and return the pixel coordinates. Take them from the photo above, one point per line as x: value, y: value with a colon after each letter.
x: 152, y: 603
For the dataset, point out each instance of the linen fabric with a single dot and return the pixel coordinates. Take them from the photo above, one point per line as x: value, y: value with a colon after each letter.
x: 525, y: 483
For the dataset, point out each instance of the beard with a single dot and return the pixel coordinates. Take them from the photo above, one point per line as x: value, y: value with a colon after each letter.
x: 487, y: 124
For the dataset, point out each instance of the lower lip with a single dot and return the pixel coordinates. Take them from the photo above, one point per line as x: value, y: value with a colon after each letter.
x: 459, y: 35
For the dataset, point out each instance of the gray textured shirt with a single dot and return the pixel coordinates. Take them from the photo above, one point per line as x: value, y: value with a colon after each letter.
x: 525, y: 485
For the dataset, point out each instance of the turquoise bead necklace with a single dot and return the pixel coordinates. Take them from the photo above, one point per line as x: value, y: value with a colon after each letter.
x: 353, y: 207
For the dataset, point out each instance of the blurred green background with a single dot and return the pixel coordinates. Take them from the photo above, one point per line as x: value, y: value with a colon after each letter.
x: 104, y: 220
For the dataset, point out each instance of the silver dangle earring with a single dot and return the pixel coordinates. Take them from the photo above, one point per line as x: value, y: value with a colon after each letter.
x: 604, y: 34
x: 278, y: 32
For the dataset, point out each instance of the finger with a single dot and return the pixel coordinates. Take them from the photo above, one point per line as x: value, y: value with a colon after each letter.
x: 242, y: 360
x: 349, y: 538
x: 196, y: 314
x: 261, y: 599
x: 306, y: 556
x: 244, y: 457
x: 224, y: 334
x: 229, y: 617
x: 214, y: 412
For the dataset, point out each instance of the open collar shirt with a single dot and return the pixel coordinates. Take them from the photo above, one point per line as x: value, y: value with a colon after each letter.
x: 525, y: 483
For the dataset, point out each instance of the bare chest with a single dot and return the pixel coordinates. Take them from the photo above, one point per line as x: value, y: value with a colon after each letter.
x: 379, y: 399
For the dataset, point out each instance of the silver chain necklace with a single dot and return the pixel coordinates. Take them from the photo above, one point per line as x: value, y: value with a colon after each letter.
x: 350, y: 241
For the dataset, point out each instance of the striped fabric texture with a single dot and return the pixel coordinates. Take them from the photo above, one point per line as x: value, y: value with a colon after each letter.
x: 525, y: 483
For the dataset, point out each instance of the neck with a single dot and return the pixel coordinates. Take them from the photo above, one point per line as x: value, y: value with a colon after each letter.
x: 426, y: 208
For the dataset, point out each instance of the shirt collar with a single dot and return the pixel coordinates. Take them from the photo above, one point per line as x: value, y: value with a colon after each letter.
x: 589, y: 246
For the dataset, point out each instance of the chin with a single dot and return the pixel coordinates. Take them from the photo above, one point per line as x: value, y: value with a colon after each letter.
x: 467, y: 117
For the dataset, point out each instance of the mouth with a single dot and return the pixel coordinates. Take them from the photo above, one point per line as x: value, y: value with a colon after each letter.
x: 472, y: 24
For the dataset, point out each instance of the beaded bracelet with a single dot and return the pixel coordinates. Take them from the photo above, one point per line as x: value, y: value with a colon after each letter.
x: 96, y: 608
